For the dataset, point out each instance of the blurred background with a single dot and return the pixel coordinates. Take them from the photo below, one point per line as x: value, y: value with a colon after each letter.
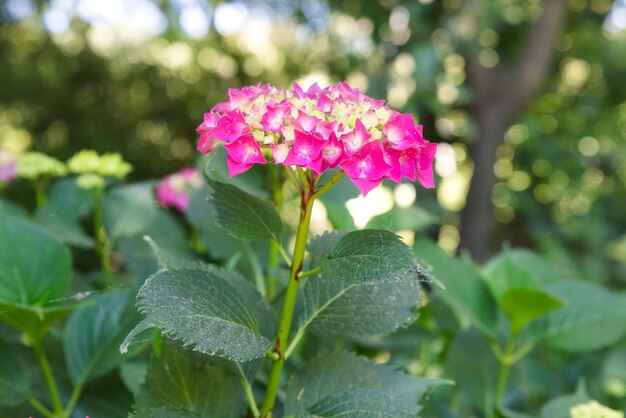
x: 525, y: 97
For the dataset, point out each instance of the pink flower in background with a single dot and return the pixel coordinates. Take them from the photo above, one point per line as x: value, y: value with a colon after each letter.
x: 174, y: 190
x: 319, y: 129
x: 8, y: 167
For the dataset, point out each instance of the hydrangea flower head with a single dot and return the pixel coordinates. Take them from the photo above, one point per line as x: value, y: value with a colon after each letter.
x: 174, y: 189
x: 8, y: 167
x: 33, y: 165
x: 319, y: 129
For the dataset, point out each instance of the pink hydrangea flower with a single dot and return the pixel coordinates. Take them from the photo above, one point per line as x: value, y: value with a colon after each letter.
x: 319, y: 129
x: 174, y: 190
x: 8, y: 167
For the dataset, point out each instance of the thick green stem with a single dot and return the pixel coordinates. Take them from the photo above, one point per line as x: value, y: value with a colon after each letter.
x: 102, y: 240
x: 506, y: 361
x: 275, y: 247
x: 289, y: 304
x: 39, y: 406
x: 40, y: 192
x: 49, y: 377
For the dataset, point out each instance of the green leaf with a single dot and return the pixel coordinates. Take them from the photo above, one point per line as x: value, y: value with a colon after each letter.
x: 14, y: 388
x: 242, y: 215
x: 368, y: 256
x: 356, y: 403
x: 128, y: 210
x: 502, y: 275
x: 35, y: 271
x: 413, y: 218
x: 66, y: 205
x: 522, y: 306
x: 591, y: 318
x: 183, y: 384
x: 372, y: 309
x: 330, y: 373
x: 251, y: 296
x: 95, y: 331
x: 560, y: 407
x: 466, y: 293
x: 203, y: 310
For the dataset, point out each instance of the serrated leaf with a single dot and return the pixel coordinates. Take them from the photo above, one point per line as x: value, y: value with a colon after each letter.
x: 368, y: 256
x: 465, y: 291
x: 95, y: 331
x: 35, y: 272
x: 372, y: 309
x: 251, y: 296
x: 14, y: 388
x: 330, y: 373
x: 190, y: 385
x: 356, y: 403
x: 522, y: 306
x: 202, y: 310
x: 129, y: 209
x: 242, y: 215
x: 591, y: 317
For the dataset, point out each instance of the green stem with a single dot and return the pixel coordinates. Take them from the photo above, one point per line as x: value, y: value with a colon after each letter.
x: 39, y: 406
x: 311, y: 272
x: 289, y: 304
x: 102, y: 241
x: 330, y: 184
x: 40, y: 192
x: 276, y: 248
x: 506, y: 361
x: 69, y: 408
x: 49, y: 377
x: 248, y: 391
x: 259, y: 280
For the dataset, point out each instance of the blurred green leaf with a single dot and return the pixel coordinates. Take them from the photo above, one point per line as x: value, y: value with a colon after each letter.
x: 465, y: 291
x: 128, y: 210
x: 14, y: 387
x: 522, y: 306
x: 591, y: 318
x: 94, y: 333
x: 559, y: 407
x: 413, y: 218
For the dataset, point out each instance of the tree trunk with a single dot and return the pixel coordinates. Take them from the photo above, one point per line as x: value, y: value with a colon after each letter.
x: 500, y: 95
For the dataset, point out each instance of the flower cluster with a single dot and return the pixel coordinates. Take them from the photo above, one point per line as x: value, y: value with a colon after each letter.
x: 319, y: 129
x: 594, y: 410
x: 174, y: 190
x: 8, y: 167
x: 34, y: 165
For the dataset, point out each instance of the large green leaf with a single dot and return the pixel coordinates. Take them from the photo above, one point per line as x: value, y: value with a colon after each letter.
x: 465, y: 291
x: 35, y: 271
x: 368, y: 256
x: 351, y: 309
x: 183, y: 384
x: 591, y: 318
x: 413, y: 218
x: 502, y: 275
x: 14, y: 388
x: 203, y: 310
x: 330, y: 373
x: 128, y: 210
x: 66, y: 205
x: 95, y: 331
x: 242, y: 215
x: 356, y: 403
x: 522, y: 306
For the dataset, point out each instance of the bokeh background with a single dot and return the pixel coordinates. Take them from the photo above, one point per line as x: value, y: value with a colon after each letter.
x: 525, y: 97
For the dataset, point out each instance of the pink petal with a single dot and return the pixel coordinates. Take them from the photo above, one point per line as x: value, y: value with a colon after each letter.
x: 279, y: 151
x: 235, y: 168
x: 245, y: 150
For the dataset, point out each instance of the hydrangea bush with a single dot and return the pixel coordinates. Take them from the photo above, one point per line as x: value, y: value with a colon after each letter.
x: 206, y: 293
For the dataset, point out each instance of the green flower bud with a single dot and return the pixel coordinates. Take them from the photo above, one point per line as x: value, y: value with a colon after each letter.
x: 91, y: 181
x: 106, y: 165
x: 594, y: 410
x: 33, y: 165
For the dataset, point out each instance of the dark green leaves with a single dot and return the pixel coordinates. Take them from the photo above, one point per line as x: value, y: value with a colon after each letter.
x: 181, y: 384
x: 94, y: 332
x: 13, y: 382
x: 34, y: 274
x: 203, y: 310
x: 356, y: 403
x: 242, y: 215
x: 368, y: 256
x: 332, y: 373
x: 590, y: 318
